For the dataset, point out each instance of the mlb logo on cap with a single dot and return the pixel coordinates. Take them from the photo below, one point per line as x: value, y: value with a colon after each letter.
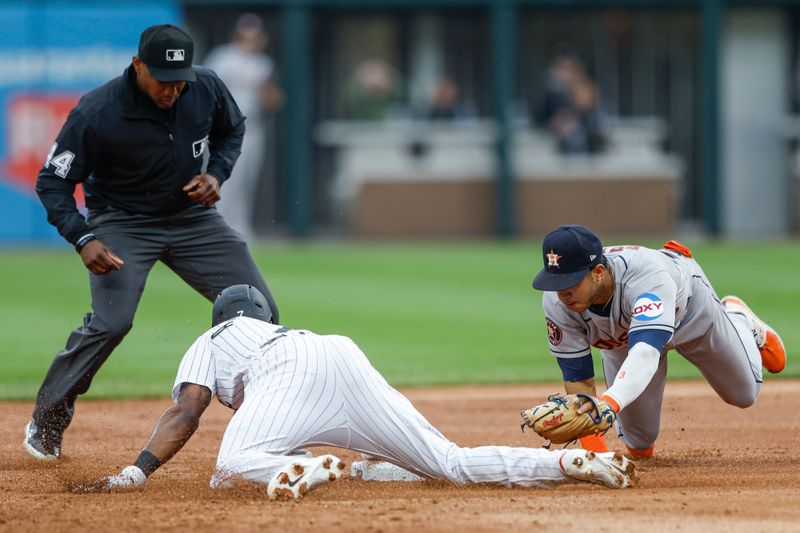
x: 175, y: 55
x: 167, y: 51
x: 569, y: 252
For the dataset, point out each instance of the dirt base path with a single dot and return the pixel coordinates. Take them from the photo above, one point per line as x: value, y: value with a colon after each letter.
x: 717, y: 468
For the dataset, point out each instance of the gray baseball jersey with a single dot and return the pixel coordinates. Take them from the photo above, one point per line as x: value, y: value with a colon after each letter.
x: 293, y: 388
x: 660, y: 290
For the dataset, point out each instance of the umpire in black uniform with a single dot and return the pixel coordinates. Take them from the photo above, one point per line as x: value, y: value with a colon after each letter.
x: 136, y: 145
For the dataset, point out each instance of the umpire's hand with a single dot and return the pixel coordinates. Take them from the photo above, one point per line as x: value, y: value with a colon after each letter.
x: 99, y: 259
x: 203, y: 189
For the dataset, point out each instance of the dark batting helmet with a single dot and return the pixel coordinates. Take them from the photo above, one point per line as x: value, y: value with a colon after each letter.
x: 240, y: 300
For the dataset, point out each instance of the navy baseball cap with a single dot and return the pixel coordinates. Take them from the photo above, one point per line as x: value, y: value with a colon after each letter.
x: 569, y: 253
x: 167, y: 51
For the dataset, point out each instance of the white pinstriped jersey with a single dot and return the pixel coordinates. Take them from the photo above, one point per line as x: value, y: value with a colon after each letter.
x: 293, y: 389
x: 221, y: 358
x: 651, y: 291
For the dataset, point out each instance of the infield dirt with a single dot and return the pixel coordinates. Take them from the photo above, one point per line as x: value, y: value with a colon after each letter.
x: 716, y: 468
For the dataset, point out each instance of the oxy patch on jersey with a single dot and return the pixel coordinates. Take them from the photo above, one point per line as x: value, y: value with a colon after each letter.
x: 647, y: 307
x: 554, y: 333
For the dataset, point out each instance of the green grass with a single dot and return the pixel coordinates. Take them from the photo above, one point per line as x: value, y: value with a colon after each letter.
x: 442, y: 313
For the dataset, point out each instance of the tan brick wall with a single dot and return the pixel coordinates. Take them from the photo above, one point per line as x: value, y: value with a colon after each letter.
x: 434, y: 209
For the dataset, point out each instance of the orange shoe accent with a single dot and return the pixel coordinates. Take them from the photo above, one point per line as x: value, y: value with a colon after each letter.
x: 675, y: 246
x: 773, y: 352
x: 594, y: 443
x: 641, y: 454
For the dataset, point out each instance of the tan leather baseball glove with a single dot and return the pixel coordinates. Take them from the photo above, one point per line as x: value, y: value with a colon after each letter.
x: 558, y: 421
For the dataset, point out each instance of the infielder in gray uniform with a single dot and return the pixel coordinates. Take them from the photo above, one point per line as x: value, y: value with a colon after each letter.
x: 136, y: 145
x: 634, y: 304
x: 294, y: 388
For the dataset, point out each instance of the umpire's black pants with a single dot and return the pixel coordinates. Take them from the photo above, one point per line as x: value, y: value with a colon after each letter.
x: 196, y: 244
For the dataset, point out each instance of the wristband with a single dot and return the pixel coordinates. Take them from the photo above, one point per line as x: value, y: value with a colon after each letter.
x: 147, y: 462
x: 83, y: 241
x: 610, y: 401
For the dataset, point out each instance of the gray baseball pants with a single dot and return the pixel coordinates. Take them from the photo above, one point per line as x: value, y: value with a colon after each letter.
x: 197, y: 244
x: 719, y: 344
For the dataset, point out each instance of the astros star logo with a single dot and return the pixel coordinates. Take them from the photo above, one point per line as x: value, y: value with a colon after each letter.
x: 552, y: 259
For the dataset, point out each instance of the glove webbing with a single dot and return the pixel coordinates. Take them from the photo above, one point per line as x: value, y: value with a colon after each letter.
x: 561, y: 400
x: 596, y: 419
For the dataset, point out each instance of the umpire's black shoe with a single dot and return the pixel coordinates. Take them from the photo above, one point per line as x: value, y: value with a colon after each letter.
x: 42, y: 443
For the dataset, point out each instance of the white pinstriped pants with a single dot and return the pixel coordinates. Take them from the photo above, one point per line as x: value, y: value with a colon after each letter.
x: 310, y: 390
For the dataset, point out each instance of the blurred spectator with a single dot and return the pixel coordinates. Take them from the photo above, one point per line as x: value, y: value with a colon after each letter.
x: 571, y: 109
x: 373, y: 91
x: 249, y: 74
x: 446, y: 103
x: 564, y: 69
x: 582, y: 127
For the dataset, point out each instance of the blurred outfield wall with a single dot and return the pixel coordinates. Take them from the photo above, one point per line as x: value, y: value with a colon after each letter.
x: 720, y: 122
x: 51, y: 52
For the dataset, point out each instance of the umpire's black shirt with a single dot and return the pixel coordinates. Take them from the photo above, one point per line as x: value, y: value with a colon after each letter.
x: 129, y: 154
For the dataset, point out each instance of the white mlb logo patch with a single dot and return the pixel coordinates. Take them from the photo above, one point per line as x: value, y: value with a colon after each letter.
x: 199, y: 146
x: 175, y: 55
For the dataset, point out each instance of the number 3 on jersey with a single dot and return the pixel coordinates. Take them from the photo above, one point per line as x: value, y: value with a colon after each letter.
x: 61, y: 162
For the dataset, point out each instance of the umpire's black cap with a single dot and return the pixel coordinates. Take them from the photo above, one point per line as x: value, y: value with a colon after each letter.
x: 569, y: 253
x: 167, y: 51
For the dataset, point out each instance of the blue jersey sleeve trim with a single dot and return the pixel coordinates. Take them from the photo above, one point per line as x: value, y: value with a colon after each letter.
x: 652, y: 327
x: 577, y: 368
x: 580, y: 353
x: 654, y: 337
